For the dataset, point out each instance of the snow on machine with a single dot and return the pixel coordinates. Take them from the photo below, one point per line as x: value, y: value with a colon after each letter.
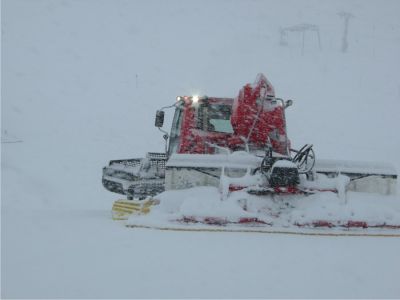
x: 229, y: 165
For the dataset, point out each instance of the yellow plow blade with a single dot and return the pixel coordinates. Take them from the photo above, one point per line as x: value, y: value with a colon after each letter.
x: 122, y: 209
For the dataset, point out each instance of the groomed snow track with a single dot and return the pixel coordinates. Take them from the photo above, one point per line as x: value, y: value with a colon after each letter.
x: 269, y: 230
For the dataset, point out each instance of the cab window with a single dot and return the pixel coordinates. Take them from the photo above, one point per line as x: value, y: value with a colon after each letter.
x: 215, y: 118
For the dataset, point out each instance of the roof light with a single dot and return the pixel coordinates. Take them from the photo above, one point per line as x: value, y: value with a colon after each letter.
x: 178, y: 98
x: 195, y: 98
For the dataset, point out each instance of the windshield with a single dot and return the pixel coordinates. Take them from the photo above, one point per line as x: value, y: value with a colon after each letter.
x: 215, y: 118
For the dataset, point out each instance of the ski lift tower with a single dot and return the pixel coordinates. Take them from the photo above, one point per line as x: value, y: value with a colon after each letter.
x: 346, y: 16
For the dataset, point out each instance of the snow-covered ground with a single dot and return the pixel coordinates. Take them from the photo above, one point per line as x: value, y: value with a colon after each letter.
x: 81, y: 81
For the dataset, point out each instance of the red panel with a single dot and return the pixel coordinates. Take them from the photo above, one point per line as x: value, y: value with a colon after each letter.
x: 253, y: 117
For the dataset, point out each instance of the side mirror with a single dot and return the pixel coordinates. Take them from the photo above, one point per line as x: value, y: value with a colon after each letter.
x: 159, y: 118
x: 288, y: 103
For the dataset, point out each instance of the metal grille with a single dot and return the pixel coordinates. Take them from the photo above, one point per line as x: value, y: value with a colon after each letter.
x: 157, y: 162
x: 127, y: 162
x: 156, y: 155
